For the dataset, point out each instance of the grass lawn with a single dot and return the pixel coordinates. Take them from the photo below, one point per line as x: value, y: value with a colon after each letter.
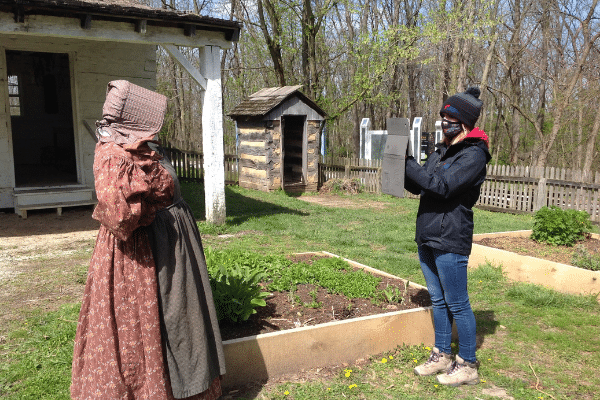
x: 534, y: 343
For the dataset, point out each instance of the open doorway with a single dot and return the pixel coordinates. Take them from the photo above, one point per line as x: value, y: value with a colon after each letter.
x: 41, y: 118
x: 294, y: 150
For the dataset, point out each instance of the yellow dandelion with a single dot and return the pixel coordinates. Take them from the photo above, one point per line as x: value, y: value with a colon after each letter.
x: 383, y: 360
x: 347, y: 374
x: 286, y: 392
x: 328, y: 389
x: 391, y: 357
x: 435, y: 385
x: 414, y: 360
x: 352, y: 386
x: 483, y: 381
x: 427, y: 348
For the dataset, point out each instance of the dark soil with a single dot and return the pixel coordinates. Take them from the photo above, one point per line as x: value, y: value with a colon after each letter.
x: 285, y: 310
x: 528, y: 247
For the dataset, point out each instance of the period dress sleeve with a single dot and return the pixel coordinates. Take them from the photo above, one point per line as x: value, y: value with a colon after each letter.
x: 130, y: 189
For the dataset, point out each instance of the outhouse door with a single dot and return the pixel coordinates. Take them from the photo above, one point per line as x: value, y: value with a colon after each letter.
x: 294, y: 150
x: 41, y: 112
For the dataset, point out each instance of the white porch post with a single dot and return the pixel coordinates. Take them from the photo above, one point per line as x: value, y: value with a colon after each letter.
x: 212, y: 135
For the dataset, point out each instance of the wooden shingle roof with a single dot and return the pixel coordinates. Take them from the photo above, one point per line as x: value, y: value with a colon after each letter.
x: 265, y: 100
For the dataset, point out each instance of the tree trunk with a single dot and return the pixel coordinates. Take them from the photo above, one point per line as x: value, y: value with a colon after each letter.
x: 484, y: 78
x: 579, y: 152
x: 572, y: 75
x: 272, y: 44
x: 590, y: 150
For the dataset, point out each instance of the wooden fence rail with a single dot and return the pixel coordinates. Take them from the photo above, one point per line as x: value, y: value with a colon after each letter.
x: 527, y: 189
x: 515, y: 189
x: 189, y: 165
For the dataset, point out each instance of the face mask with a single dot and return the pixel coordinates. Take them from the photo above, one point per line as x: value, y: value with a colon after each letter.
x: 451, y: 129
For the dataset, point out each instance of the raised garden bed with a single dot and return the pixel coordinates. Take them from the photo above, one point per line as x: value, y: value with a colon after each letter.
x: 502, y: 248
x: 288, y: 335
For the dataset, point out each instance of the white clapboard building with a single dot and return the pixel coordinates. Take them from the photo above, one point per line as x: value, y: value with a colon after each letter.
x: 56, y: 58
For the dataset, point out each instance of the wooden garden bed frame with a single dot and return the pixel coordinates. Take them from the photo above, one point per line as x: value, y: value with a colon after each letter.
x: 270, y: 355
x: 561, y: 277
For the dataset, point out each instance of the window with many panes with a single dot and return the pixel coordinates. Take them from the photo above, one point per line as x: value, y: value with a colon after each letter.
x: 14, y: 96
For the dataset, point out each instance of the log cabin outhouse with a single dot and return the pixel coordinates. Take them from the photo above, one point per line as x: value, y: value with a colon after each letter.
x: 278, y: 137
x: 56, y: 58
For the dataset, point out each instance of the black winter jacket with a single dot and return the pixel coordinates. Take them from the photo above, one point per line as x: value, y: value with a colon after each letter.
x: 449, y: 184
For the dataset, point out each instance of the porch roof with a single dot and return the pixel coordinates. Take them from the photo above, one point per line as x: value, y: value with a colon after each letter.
x: 121, y: 11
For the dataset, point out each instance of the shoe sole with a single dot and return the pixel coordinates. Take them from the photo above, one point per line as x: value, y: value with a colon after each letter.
x: 433, y: 373
x: 471, y: 382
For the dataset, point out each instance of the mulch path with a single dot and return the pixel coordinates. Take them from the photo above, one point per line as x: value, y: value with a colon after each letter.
x: 285, y: 310
x: 528, y: 247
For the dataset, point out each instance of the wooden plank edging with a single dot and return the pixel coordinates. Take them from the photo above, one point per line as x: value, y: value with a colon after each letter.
x: 560, y: 277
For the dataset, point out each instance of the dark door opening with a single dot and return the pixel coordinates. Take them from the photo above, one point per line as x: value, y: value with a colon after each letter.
x: 41, y: 118
x: 293, y: 150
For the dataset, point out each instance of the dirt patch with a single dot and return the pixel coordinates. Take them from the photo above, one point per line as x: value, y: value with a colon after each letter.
x: 42, y: 234
x: 47, y: 222
x: 342, y: 201
x: 528, y: 247
x: 43, y: 261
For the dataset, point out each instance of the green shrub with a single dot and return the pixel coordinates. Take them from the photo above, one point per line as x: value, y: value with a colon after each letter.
x: 560, y: 227
x: 583, y: 259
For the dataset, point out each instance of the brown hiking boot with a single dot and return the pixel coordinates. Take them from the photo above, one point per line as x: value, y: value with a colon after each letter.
x: 437, y: 362
x: 460, y: 373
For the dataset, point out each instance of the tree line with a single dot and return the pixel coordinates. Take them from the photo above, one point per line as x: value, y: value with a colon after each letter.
x: 536, y: 62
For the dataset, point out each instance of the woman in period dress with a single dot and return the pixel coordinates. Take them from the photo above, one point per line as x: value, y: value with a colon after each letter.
x: 147, y: 327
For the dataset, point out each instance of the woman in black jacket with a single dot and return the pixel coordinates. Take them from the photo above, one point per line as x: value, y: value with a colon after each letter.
x: 449, y: 184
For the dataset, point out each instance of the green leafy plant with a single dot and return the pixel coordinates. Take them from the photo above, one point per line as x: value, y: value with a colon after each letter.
x: 314, y: 303
x: 392, y: 294
x: 235, y: 281
x: 583, y: 259
x: 237, y: 293
x: 560, y: 227
x: 333, y: 274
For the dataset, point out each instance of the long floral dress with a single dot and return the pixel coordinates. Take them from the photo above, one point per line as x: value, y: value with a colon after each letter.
x: 118, y: 352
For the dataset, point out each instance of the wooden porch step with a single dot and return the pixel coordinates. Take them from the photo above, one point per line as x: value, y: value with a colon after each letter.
x: 22, y: 211
x: 58, y: 198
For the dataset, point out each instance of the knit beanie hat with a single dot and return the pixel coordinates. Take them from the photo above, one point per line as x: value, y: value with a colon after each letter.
x: 465, y: 106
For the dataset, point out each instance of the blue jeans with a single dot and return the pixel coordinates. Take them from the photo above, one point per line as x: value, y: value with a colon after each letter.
x: 446, y: 277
